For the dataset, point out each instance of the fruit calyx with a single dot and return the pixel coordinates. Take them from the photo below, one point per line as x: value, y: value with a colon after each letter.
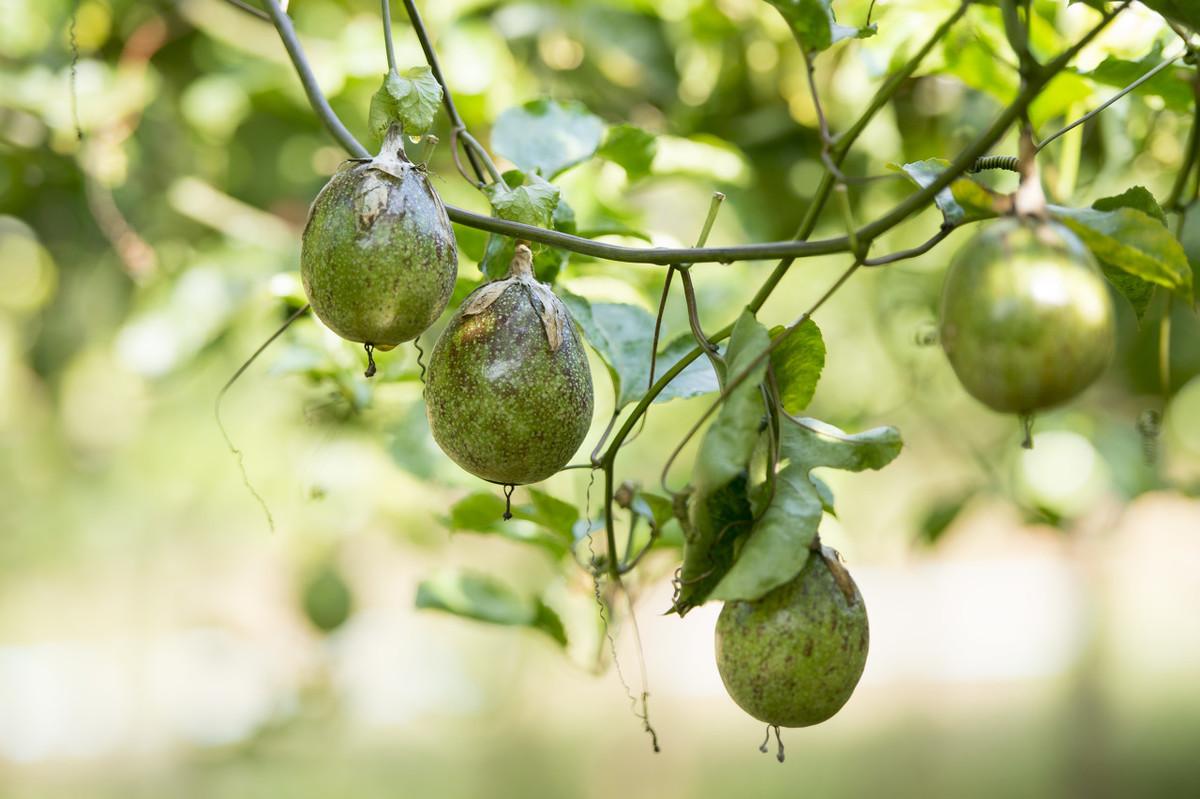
x: 550, y: 309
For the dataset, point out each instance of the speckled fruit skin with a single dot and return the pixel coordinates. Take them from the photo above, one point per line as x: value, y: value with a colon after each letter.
x: 793, y: 657
x: 1027, y: 319
x: 378, y: 258
x: 500, y: 403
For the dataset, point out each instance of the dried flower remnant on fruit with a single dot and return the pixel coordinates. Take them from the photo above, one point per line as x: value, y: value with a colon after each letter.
x: 379, y: 258
x: 508, y: 391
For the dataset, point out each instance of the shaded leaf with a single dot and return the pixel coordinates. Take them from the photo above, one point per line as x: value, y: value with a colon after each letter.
x: 483, y: 598
x: 797, y: 364
x: 814, y: 25
x: 1134, y: 242
x: 964, y: 200
x: 546, y: 136
x: 545, y: 521
x: 1171, y: 85
x: 412, y: 99
x: 697, y: 377
x: 719, y: 511
x: 778, y: 546
x: 1185, y: 12
x: 940, y: 515
x: 1139, y: 198
x: 631, y: 148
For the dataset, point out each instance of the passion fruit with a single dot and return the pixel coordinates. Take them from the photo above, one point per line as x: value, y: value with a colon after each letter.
x: 508, y: 391
x: 378, y: 258
x: 793, y: 657
x: 1027, y: 320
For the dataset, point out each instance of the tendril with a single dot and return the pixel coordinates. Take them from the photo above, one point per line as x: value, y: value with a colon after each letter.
x: 370, y: 372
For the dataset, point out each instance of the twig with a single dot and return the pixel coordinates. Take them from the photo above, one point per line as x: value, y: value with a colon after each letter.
x: 1093, y: 113
x: 385, y: 12
x: 456, y: 121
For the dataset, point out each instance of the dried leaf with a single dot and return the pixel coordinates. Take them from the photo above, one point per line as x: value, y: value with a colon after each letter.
x: 484, y: 296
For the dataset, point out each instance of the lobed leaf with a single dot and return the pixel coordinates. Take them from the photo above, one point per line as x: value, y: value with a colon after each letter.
x: 412, y: 99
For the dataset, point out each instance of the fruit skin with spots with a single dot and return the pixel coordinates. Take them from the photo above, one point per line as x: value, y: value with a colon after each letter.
x: 378, y: 258
x: 793, y: 657
x: 508, y: 391
x: 1027, y: 320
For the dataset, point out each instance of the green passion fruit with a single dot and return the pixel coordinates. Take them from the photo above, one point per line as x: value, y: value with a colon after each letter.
x: 508, y: 391
x: 378, y: 258
x: 793, y: 657
x: 1027, y: 319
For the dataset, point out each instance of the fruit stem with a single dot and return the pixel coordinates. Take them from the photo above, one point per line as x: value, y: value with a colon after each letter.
x: 1026, y: 430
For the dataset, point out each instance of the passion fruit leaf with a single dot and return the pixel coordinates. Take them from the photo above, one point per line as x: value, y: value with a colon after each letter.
x: 1139, y: 198
x: 1137, y: 291
x: 798, y: 362
x: 1171, y: 85
x: 631, y: 148
x: 941, y: 514
x: 814, y: 25
x: 532, y: 203
x: 483, y: 598
x: 484, y: 512
x: 964, y: 200
x: 412, y: 99
x: 778, y: 545
x: 1134, y: 242
x: 1185, y: 12
x: 1189, y: 237
x: 546, y: 136
x: 621, y: 335
x: 816, y: 443
x: 547, y: 261
x: 825, y: 493
x: 696, y: 379
x: 720, y: 511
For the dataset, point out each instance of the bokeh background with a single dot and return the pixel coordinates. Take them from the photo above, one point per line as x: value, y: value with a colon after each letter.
x: 1035, y: 615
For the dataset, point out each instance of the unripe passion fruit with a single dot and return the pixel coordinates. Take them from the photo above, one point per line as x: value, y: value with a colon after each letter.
x: 378, y: 258
x: 509, y: 392
x: 793, y: 657
x: 1027, y: 320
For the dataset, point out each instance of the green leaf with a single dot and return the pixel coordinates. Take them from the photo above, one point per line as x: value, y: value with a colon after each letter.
x: 697, y: 377
x: 1185, y: 12
x: 1189, y: 238
x: 941, y: 514
x: 412, y: 99
x: 816, y: 443
x: 547, y: 261
x: 545, y: 521
x: 631, y: 148
x: 1133, y: 242
x: 814, y: 25
x: 532, y: 202
x: 964, y: 200
x: 483, y: 598
x: 1139, y: 198
x: 798, y: 362
x: 719, y: 511
x: 1137, y: 291
x: 546, y: 136
x: 778, y: 546
x: 1171, y: 85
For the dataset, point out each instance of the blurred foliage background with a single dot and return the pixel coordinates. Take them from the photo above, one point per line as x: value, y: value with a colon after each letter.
x: 1033, y: 613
